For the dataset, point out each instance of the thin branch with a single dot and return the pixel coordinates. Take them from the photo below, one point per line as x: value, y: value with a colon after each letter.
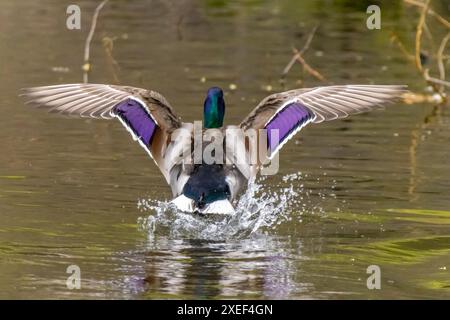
x: 401, y: 46
x: 302, y: 51
x: 414, y: 97
x: 87, y: 46
x: 435, y: 80
x: 178, y: 26
x: 307, y: 67
x: 430, y: 12
x: 289, y: 66
x: 419, y: 31
x: 437, y: 85
x: 439, y: 56
x: 113, y: 65
x: 308, y: 41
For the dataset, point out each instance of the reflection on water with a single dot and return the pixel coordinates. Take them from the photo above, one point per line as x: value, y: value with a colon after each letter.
x: 253, y: 267
x: 373, y: 189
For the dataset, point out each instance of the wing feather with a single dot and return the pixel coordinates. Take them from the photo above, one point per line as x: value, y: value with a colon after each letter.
x: 98, y: 101
x: 327, y: 103
x: 290, y: 111
x: 145, y: 114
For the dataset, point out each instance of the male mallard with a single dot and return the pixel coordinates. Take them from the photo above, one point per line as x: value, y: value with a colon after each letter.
x: 207, y: 187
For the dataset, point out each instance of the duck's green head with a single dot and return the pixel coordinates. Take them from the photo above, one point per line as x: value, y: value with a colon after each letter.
x: 214, y: 108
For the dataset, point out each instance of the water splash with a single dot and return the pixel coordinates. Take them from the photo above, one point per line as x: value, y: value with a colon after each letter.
x: 261, y: 207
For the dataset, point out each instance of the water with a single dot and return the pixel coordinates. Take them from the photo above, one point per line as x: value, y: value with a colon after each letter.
x: 262, y: 206
x: 372, y: 189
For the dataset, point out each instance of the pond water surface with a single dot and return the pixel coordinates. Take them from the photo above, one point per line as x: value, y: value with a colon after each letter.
x: 370, y: 190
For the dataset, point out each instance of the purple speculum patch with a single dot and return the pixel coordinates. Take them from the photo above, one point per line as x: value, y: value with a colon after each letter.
x: 137, y: 119
x: 286, y: 121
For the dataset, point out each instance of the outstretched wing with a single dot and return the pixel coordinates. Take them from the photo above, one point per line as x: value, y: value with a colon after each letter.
x: 145, y: 114
x: 289, y: 111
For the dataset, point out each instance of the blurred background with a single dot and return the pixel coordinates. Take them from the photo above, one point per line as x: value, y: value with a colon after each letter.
x: 373, y: 189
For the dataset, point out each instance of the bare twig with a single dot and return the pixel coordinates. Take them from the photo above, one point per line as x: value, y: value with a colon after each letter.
x: 178, y: 25
x: 289, y: 66
x: 435, y: 80
x: 419, y: 35
x: 414, y: 97
x: 401, y: 46
x: 436, y: 84
x: 440, y: 55
x: 301, y: 52
x: 307, y: 67
x: 108, y: 44
x: 430, y: 12
x: 308, y: 41
x: 87, y: 46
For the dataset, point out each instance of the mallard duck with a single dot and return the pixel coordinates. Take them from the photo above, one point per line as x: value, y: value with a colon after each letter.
x: 198, y: 185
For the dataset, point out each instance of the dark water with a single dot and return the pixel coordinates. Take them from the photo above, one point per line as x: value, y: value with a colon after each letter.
x: 371, y: 190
